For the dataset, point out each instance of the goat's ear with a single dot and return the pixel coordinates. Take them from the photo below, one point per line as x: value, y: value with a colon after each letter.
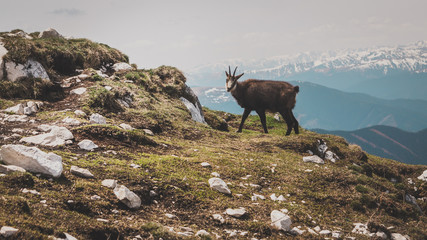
x: 226, y: 73
x: 238, y: 76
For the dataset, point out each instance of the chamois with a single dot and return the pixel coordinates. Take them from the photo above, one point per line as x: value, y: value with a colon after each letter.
x: 262, y: 96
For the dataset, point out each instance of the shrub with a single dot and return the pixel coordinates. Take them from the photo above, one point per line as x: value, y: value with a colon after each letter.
x: 105, y: 100
x: 33, y: 88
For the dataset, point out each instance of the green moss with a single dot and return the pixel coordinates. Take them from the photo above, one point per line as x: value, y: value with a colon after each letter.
x: 103, y: 100
x: 32, y: 88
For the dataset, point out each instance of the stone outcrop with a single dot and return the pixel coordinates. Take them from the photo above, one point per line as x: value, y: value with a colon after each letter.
x: 127, y: 197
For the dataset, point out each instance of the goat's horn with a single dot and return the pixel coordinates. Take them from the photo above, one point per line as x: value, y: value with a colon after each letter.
x: 234, y: 71
x: 229, y: 70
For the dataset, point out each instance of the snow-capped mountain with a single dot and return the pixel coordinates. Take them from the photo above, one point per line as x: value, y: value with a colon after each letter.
x: 388, y: 72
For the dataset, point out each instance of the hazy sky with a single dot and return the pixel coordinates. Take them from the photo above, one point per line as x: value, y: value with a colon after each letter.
x: 190, y: 33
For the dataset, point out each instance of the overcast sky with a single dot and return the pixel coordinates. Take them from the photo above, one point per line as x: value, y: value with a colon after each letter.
x: 188, y: 33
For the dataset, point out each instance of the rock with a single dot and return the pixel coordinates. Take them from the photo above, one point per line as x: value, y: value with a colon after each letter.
x: 423, y: 177
x: 109, y: 183
x: 71, y: 121
x: 69, y: 237
x: 95, y: 197
x: 280, y: 221
x: 97, y: 118
x: 122, y: 66
x: 126, y: 126
x: 360, y: 228
x: 3, y: 51
x: 148, y: 132
x: 50, y: 33
x: 127, y: 197
x: 215, y: 174
x: 337, y: 234
x: 196, y: 112
x: 16, y: 118
x: 331, y: 156
x: 78, y: 91
x: 10, y: 168
x: 202, y: 233
x: 87, y: 145
x: 108, y: 88
x: 398, y: 236
x: 81, y: 172
x: 45, y: 139
x: 314, y: 159
x: 256, y: 197
x: 17, y: 109
x: 79, y: 113
x: 7, y: 231
x: 297, y: 231
x: 153, y: 193
x: 219, y: 185
x: 62, y: 132
x: 325, y: 232
x: 381, y: 235
x: 205, y: 164
x: 412, y: 200
x: 317, y: 229
x: 30, y: 191
x: 170, y: 216
x: 218, y: 217
x: 32, y: 159
x: 31, y: 68
x: 237, y: 212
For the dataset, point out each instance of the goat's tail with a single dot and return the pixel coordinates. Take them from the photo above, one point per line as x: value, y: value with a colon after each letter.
x: 296, y: 89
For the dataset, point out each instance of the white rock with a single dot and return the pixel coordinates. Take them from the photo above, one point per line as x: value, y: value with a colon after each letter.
x: 122, y: 66
x: 32, y: 159
x: 218, y: 217
x: 87, y: 145
x: 109, y: 183
x: 280, y: 220
x: 185, y: 234
x: 81, y: 172
x: 34, y: 107
x: 215, y: 174
x: 273, y: 197
x: 337, y: 234
x: 95, y: 197
x: 170, y: 216
x: 237, y: 212
x: 97, y: 118
x: 205, y: 164
x: 256, y: 197
x: 7, y: 231
x: 83, y: 76
x: 126, y: 126
x: 423, y: 177
x: 30, y: 69
x: 71, y: 121
x: 79, y: 113
x: 398, y: 236
x: 69, y: 237
x: 30, y: 191
x: 360, y: 228
x: 281, y: 198
x: 381, y: 235
x: 202, y: 233
x: 312, y: 231
x: 127, y: 197
x: 314, y: 159
x: 196, y: 113
x: 153, y: 193
x: 108, y: 88
x: 297, y: 231
x: 17, y: 109
x: 10, y: 168
x: 62, y: 132
x: 317, y: 229
x: 3, y: 51
x: 148, y: 132
x: 331, y: 156
x: 16, y: 118
x: 325, y: 232
x: 78, y: 91
x: 102, y: 220
x: 219, y: 185
x: 45, y: 139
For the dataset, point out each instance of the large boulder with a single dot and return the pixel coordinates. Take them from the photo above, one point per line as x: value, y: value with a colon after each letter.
x: 50, y: 33
x: 31, y: 68
x: 56, y: 137
x: 31, y: 159
x: 196, y: 113
x: 122, y: 66
x: 3, y: 51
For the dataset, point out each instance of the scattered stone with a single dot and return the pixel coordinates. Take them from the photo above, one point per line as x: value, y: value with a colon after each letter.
x: 423, y: 177
x: 219, y: 185
x: 337, y: 234
x: 69, y: 237
x: 185, y: 234
x: 256, y: 197
x: 133, y: 165
x: 148, y: 132
x: 202, y: 233
x: 102, y: 220
x: 71, y: 121
x: 317, y: 229
x: 331, y: 156
x: 81, y: 172
x: 215, y: 174
x: 32, y: 159
x: 7, y: 231
x: 170, y: 216
x: 127, y: 197
x: 80, y: 113
x: 10, y: 168
x: 360, y: 228
x: 31, y: 68
x: 108, y: 88
x: 381, y: 235
x: 312, y: 231
x: 122, y: 66
x: 205, y: 164
x: 280, y: 220
x: 237, y: 212
x: 45, y: 139
x: 17, y: 109
x: 153, y: 193
x: 398, y: 236
x: 218, y: 217
x: 50, y: 33
x: 314, y: 159
x: 109, y: 183
x: 87, y: 145
x: 30, y: 191
x: 97, y: 118
x: 95, y: 197
x: 126, y: 126
x: 297, y: 231
x: 16, y: 118
x: 325, y: 232
x: 78, y: 91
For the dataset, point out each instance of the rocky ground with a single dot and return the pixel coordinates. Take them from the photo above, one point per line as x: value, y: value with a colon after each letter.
x: 117, y: 155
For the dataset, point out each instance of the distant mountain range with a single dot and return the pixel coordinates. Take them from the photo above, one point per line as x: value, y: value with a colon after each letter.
x: 325, y: 108
x: 388, y: 142
x: 383, y: 72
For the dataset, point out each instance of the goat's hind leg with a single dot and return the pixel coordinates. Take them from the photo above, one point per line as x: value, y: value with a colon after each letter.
x: 244, y: 116
x: 261, y: 114
x: 296, y: 124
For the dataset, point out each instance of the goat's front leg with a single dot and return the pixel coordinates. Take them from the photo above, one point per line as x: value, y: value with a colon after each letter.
x: 244, y: 116
x: 261, y: 114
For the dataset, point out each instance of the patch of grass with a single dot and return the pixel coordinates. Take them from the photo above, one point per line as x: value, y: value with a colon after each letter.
x: 31, y: 88
x: 361, y: 189
x: 103, y: 100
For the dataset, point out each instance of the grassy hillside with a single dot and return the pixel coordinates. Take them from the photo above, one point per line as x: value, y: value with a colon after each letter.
x: 389, y: 142
x: 165, y: 171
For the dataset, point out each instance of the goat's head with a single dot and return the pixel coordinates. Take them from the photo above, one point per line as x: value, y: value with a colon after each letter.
x: 231, y: 79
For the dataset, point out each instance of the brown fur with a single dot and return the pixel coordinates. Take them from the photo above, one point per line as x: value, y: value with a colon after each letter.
x: 265, y: 95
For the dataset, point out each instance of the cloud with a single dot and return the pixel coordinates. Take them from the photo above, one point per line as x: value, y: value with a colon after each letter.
x: 67, y: 12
